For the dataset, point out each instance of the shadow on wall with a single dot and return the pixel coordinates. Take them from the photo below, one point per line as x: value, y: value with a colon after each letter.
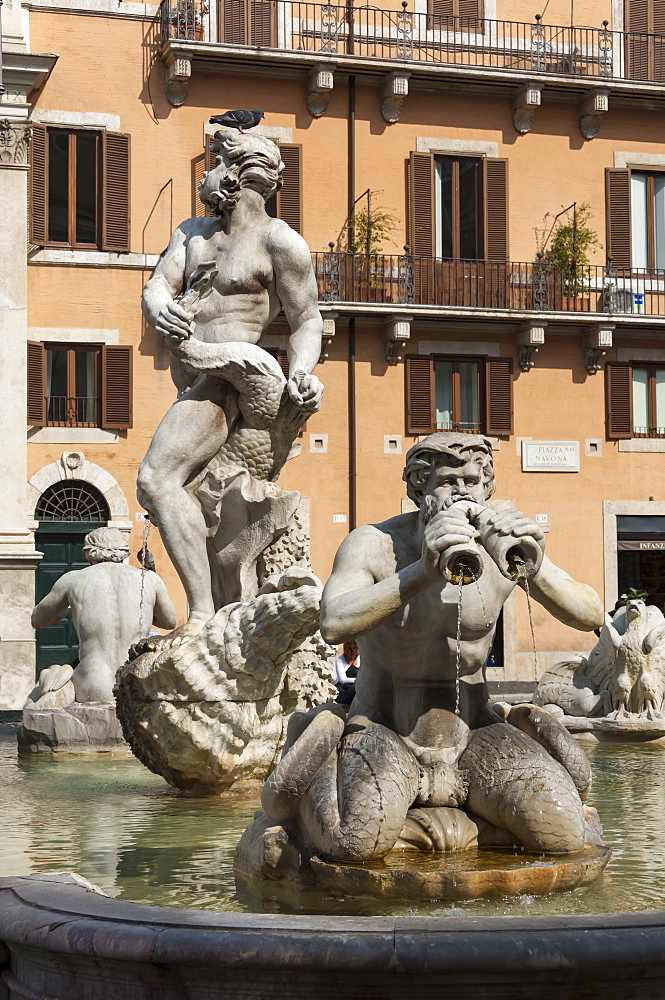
x: 152, y: 345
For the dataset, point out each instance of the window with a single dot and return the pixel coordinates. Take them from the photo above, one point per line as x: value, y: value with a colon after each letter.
x: 79, y: 188
x: 442, y: 13
x: 647, y: 213
x: 87, y: 385
x: 459, y: 218
x: 635, y: 395
x: 644, y: 23
x: 464, y: 394
x: 458, y: 207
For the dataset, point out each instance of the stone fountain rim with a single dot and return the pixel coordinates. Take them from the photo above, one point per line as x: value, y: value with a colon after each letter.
x: 59, y: 914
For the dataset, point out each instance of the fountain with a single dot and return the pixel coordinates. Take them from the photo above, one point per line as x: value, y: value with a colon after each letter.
x: 423, y: 792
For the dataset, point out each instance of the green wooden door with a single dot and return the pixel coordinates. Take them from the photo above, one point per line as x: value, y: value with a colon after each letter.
x: 62, y: 544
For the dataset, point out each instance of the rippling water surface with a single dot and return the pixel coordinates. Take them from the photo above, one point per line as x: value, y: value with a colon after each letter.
x: 109, y: 819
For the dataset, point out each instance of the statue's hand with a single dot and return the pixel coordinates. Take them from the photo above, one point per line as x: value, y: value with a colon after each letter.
x: 447, y: 528
x: 174, y: 321
x: 305, y: 391
x: 515, y: 523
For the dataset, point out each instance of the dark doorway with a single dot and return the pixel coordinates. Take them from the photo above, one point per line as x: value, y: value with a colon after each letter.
x: 641, y: 557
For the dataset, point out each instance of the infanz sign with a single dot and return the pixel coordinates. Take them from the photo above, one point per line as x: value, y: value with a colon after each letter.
x: 641, y: 545
x: 550, y: 456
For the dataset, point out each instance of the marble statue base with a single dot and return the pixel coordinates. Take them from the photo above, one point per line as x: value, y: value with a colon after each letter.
x: 82, y: 727
x: 632, y: 729
x: 463, y: 875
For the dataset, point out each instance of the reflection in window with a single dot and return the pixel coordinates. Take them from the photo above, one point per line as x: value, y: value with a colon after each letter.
x: 648, y: 401
x: 457, y: 395
x: 72, y: 187
x: 647, y: 210
x: 459, y: 207
x: 71, y: 384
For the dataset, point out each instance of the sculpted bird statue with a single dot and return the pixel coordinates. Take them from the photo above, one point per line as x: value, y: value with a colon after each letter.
x: 631, y: 659
x: 242, y: 120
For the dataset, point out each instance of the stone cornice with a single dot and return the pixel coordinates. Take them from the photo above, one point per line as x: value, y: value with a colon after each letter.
x: 27, y: 70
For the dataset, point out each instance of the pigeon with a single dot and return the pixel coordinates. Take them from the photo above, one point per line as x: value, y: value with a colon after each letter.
x: 238, y: 119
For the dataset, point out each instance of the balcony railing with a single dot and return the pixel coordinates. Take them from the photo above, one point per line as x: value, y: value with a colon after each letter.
x: 407, y: 36
x: 72, y: 411
x: 407, y: 280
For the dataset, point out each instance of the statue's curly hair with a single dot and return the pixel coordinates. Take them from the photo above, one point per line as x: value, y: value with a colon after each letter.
x: 105, y: 545
x: 458, y: 449
x: 248, y: 161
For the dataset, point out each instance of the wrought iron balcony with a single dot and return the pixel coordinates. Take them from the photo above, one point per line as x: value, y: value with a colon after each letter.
x: 410, y: 37
x: 406, y: 280
x: 73, y: 411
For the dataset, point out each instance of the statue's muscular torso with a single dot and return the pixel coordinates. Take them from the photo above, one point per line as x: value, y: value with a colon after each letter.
x: 408, y: 664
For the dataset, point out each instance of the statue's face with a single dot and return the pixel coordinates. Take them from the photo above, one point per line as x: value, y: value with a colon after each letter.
x: 446, y: 480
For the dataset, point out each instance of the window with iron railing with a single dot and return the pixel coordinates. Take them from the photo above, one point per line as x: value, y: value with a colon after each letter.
x: 72, y: 381
x: 648, y: 401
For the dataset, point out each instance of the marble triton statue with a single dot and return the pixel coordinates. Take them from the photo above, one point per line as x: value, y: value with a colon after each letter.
x: 422, y: 758
x: 113, y: 605
x: 216, y: 288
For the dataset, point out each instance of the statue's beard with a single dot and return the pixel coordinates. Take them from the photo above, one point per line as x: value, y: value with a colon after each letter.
x: 432, y: 504
x: 222, y: 198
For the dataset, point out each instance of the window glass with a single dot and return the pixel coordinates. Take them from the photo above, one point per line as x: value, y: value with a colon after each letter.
x: 659, y: 221
x: 469, y: 411
x: 660, y: 401
x: 445, y: 185
x: 638, y: 214
x: 84, y: 373
x: 58, y: 187
x: 469, y: 171
x: 56, y: 386
x: 640, y: 401
x: 443, y: 375
x: 86, y: 188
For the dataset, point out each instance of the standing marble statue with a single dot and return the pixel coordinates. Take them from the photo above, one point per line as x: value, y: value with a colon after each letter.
x: 422, y: 756
x: 112, y: 604
x: 217, y: 287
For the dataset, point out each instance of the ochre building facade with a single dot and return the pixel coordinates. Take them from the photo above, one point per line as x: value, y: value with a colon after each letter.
x: 460, y: 129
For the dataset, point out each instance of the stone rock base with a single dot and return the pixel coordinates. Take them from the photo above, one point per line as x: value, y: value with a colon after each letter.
x: 632, y: 729
x: 82, y: 727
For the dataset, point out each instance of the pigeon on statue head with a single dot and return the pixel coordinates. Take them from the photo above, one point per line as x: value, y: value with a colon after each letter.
x: 242, y: 120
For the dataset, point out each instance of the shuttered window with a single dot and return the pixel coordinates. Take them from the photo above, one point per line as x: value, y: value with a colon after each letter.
x: 89, y: 385
x: 200, y: 166
x: 79, y: 189
x: 444, y: 11
x: 248, y: 22
x: 287, y: 203
x: 464, y: 394
x: 645, y: 48
x: 458, y: 207
x: 635, y: 400
x: 617, y: 196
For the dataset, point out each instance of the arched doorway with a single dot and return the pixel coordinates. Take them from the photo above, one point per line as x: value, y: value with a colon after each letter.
x: 66, y: 511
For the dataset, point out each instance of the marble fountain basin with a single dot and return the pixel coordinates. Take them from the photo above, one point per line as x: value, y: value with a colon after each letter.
x: 177, y: 923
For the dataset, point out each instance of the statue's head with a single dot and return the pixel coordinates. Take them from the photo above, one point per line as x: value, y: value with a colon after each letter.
x: 242, y: 161
x: 105, y: 545
x: 464, y: 458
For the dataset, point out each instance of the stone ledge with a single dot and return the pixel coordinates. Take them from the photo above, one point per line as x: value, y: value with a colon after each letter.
x: 643, y: 445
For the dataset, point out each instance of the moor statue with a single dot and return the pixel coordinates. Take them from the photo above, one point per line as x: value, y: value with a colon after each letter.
x: 422, y: 758
x: 215, y: 290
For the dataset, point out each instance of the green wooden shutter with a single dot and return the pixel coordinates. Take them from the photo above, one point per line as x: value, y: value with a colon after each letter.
x: 499, y: 396
x: 116, y: 386
x: 619, y: 400
x: 37, y: 214
x: 36, y: 384
x: 420, y: 394
x: 289, y: 199
x: 617, y: 199
x: 115, y: 192
x: 422, y: 241
x: 496, y: 208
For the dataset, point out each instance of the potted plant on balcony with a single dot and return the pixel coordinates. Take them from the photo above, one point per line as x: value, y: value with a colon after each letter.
x: 363, y: 236
x: 187, y: 20
x: 565, y: 248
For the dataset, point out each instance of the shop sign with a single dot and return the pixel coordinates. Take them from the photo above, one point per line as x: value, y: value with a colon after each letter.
x: 641, y: 545
x: 550, y: 456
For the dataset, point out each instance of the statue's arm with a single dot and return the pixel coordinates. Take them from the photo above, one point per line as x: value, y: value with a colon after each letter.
x: 362, y: 592
x: 573, y: 603
x: 54, y: 606
x: 297, y: 291
x: 163, y: 615
x: 166, y: 282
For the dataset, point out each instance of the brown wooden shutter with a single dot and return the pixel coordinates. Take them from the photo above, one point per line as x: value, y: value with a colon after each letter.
x: 202, y: 164
x: 619, y: 400
x: 262, y: 21
x: 115, y: 192
x: 617, y: 192
x: 499, y: 396
x: 36, y: 384
x: 422, y: 239
x: 282, y: 359
x: 116, y: 386
x: 37, y: 186
x: 496, y: 209
x: 471, y: 11
x: 234, y: 19
x: 420, y: 394
x: 289, y: 199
